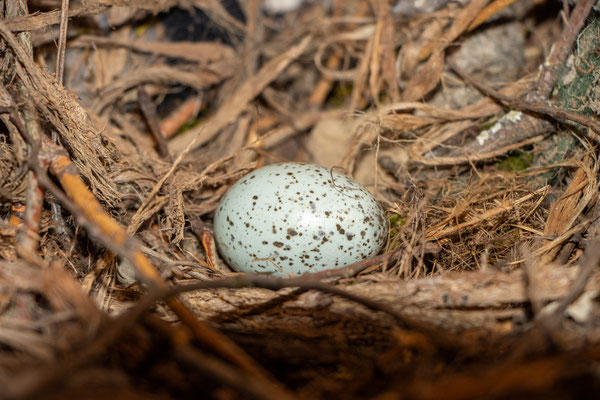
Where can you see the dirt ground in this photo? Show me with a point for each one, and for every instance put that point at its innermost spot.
(474, 123)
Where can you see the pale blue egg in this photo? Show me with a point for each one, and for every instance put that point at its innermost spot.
(291, 218)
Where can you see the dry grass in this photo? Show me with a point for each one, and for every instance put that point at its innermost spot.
(487, 286)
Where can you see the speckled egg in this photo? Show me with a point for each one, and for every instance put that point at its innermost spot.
(291, 218)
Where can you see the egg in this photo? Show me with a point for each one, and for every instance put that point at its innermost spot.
(290, 218)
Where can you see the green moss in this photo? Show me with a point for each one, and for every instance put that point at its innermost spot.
(396, 221)
(517, 161)
(578, 82)
(578, 89)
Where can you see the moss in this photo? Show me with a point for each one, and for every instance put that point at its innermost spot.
(396, 221)
(517, 161)
(579, 79)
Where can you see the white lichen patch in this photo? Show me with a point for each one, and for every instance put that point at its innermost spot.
(511, 117)
(487, 133)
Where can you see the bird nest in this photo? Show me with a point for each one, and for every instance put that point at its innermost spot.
(474, 124)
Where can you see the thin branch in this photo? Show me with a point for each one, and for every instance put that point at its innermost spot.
(556, 113)
(91, 215)
(562, 47)
(149, 112)
(587, 266)
(62, 41)
(226, 374)
(508, 132)
(270, 283)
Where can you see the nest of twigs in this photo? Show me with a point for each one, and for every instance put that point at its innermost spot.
(474, 123)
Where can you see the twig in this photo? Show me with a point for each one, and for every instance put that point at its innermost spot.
(181, 115)
(323, 87)
(493, 8)
(507, 379)
(92, 216)
(168, 261)
(28, 236)
(26, 216)
(228, 375)
(507, 132)
(505, 206)
(356, 268)
(68, 118)
(587, 265)
(41, 21)
(215, 368)
(305, 282)
(529, 282)
(562, 47)
(149, 111)
(237, 103)
(559, 114)
(112, 234)
(210, 249)
(430, 74)
(62, 41)
(39, 381)
(139, 217)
